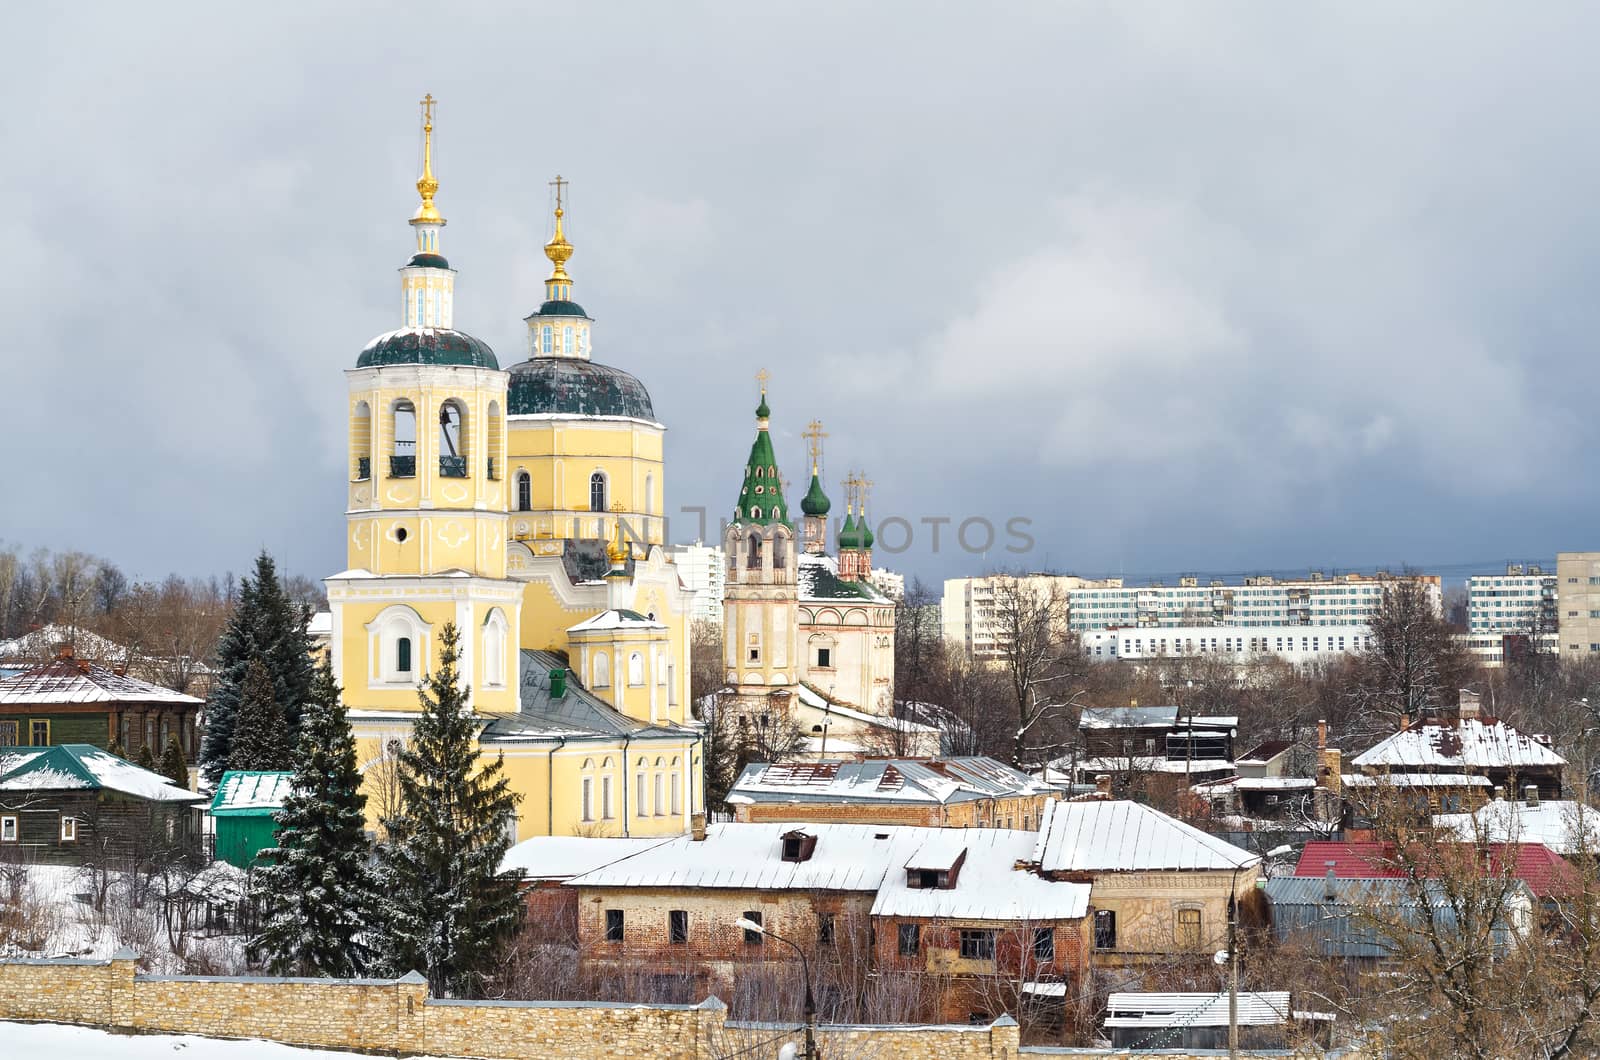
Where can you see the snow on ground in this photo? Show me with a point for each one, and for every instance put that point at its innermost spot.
(87, 1043)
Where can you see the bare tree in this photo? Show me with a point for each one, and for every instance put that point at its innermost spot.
(1040, 661)
(1413, 665)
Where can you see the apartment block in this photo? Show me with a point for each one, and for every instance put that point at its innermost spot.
(1578, 603)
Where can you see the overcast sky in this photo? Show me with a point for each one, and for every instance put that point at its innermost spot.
(1189, 287)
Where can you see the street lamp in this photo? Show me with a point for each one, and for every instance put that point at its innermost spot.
(746, 924)
(1233, 945)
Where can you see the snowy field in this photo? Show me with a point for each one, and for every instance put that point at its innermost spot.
(29, 1040)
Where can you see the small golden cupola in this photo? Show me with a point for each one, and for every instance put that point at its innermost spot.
(559, 327)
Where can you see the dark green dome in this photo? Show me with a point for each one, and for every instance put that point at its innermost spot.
(427, 261)
(558, 307)
(864, 532)
(815, 502)
(570, 386)
(848, 537)
(427, 346)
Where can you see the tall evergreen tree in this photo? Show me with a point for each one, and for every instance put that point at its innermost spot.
(260, 738)
(173, 765)
(447, 913)
(268, 627)
(146, 759)
(321, 896)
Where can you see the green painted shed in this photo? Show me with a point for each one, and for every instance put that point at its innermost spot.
(242, 812)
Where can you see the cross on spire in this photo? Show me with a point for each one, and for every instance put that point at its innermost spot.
(813, 434)
(427, 112)
(559, 184)
(762, 377)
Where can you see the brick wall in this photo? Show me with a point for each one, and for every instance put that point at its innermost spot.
(396, 1016)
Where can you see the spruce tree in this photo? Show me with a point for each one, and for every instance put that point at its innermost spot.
(260, 738)
(146, 759)
(173, 765)
(447, 913)
(117, 749)
(320, 892)
(267, 627)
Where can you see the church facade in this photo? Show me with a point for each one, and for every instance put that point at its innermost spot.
(524, 505)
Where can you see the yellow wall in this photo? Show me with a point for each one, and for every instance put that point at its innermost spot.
(561, 455)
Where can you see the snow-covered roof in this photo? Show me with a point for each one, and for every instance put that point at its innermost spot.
(71, 680)
(819, 582)
(616, 618)
(1258, 784)
(1263, 1008)
(253, 792)
(1146, 764)
(989, 886)
(847, 857)
(321, 625)
(1150, 718)
(1122, 836)
(561, 857)
(1416, 780)
(936, 781)
(1554, 823)
(47, 640)
(813, 698)
(1467, 743)
(83, 767)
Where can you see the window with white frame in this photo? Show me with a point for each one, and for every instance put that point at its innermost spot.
(635, 669)
(495, 631)
(8, 829)
(69, 829)
(602, 670)
(398, 645)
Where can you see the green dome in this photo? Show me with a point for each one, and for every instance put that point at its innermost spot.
(569, 386)
(864, 531)
(815, 502)
(427, 346)
(558, 307)
(762, 412)
(848, 536)
(427, 261)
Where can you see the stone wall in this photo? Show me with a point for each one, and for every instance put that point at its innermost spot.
(396, 1017)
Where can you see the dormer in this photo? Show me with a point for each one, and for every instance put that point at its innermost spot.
(925, 874)
(798, 845)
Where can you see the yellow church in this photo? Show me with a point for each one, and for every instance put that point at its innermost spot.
(525, 505)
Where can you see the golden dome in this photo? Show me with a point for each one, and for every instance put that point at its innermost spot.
(427, 186)
(558, 250)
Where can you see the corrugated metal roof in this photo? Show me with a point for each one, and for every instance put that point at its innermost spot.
(1255, 1008)
(72, 680)
(561, 857)
(1534, 864)
(988, 887)
(1334, 914)
(1121, 836)
(83, 767)
(1466, 743)
(1554, 822)
(247, 792)
(933, 781)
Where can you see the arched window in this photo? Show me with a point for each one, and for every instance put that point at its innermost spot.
(524, 492)
(753, 556)
(492, 446)
(361, 441)
(397, 646)
(452, 440)
(495, 631)
(649, 494)
(566, 340)
(545, 333)
(661, 801)
(779, 552)
(402, 655)
(597, 492)
(403, 458)
(602, 670)
(635, 669)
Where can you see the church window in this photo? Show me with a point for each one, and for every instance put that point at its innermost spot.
(524, 492)
(824, 658)
(492, 445)
(755, 647)
(403, 460)
(753, 557)
(677, 793)
(495, 631)
(605, 798)
(649, 493)
(635, 669)
(772, 472)
(402, 655)
(583, 341)
(780, 555)
(755, 513)
(566, 340)
(361, 440)
(452, 440)
(588, 798)
(597, 492)
(638, 795)
(602, 666)
(661, 802)
(760, 472)
(547, 335)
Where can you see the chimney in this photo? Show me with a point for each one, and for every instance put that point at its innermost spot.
(558, 683)
(1499, 793)
(1405, 721)
(1329, 891)
(697, 827)
(1322, 734)
(64, 651)
(1102, 786)
(1471, 705)
(1531, 796)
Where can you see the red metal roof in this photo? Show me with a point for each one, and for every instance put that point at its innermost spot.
(1543, 870)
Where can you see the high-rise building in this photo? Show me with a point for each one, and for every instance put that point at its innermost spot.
(1513, 611)
(1578, 604)
(703, 569)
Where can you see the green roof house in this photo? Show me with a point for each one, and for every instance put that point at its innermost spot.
(242, 810)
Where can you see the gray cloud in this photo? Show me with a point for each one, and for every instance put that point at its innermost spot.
(1210, 288)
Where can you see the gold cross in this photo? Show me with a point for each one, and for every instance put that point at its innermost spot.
(558, 184)
(427, 112)
(813, 434)
(762, 377)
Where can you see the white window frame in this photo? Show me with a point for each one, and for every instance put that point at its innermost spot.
(9, 829)
(69, 829)
(384, 633)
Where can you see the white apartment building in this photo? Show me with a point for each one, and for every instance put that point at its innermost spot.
(967, 610)
(1318, 600)
(1522, 602)
(1296, 644)
(703, 569)
(889, 583)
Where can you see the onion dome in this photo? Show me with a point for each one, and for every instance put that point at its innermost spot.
(568, 386)
(815, 502)
(427, 346)
(864, 531)
(849, 536)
